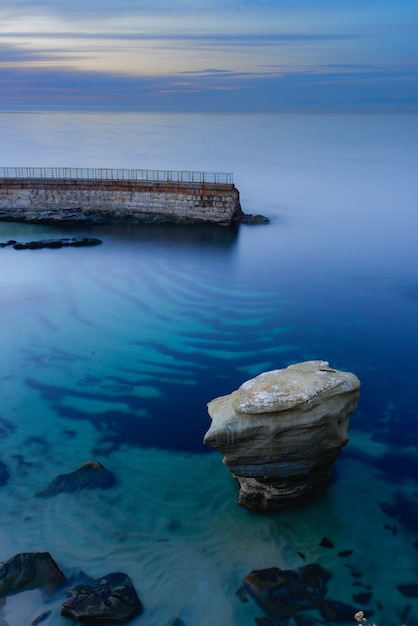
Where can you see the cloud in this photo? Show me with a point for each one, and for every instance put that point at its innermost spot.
(261, 55)
(43, 89)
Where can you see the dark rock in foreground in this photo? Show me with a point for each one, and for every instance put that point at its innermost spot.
(280, 593)
(91, 475)
(110, 599)
(30, 570)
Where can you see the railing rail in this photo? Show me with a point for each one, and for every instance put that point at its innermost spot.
(87, 173)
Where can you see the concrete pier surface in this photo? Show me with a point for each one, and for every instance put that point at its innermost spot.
(48, 195)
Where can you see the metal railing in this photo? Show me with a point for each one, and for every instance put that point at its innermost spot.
(87, 173)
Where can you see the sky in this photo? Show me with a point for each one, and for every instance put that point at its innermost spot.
(222, 56)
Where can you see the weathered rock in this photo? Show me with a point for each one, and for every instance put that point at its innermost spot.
(30, 570)
(280, 593)
(91, 475)
(281, 431)
(110, 599)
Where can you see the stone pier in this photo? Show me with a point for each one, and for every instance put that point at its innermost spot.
(49, 199)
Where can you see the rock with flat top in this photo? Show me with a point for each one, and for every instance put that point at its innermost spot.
(281, 432)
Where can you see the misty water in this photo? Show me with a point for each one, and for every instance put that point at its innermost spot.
(112, 353)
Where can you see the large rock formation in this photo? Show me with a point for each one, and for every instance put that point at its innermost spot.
(281, 431)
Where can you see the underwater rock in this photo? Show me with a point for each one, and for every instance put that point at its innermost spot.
(280, 593)
(281, 431)
(404, 509)
(307, 620)
(4, 474)
(110, 599)
(362, 598)
(267, 621)
(248, 218)
(336, 611)
(242, 594)
(30, 570)
(52, 243)
(91, 475)
(409, 591)
(40, 618)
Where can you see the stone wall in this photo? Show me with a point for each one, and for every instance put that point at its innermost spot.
(48, 200)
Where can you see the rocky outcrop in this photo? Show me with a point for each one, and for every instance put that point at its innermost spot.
(110, 599)
(30, 570)
(91, 475)
(281, 431)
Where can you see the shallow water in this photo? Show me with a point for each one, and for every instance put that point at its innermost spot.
(113, 352)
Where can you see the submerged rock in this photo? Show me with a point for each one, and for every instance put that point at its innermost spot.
(281, 431)
(280, 593)
(91, 475)
(248, 218)
(362, 598)
(267, 621)
(53, 243)
(4, 474)
(43, 616)
(336, 611)
(409, 591)
(30, 570)
(110, 599)
(307, 620)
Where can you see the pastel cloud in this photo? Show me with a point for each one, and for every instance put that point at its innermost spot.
(262, 55)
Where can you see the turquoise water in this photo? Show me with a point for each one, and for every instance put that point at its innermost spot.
(113, 352)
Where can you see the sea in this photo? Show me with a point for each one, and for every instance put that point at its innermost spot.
(111, 353)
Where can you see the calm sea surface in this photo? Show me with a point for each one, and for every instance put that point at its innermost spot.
(112, 353)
